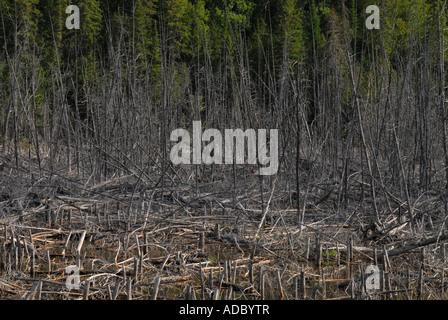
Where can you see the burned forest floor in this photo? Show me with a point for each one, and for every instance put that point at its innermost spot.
(228, 235)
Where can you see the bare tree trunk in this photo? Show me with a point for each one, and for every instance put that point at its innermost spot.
(363, 140)
(442, 97)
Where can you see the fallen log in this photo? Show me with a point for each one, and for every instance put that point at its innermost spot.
(418, 244)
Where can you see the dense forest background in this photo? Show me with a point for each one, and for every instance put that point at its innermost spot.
(354, 107)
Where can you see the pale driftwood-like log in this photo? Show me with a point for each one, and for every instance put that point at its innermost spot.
(81, 241)
(215, 295)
